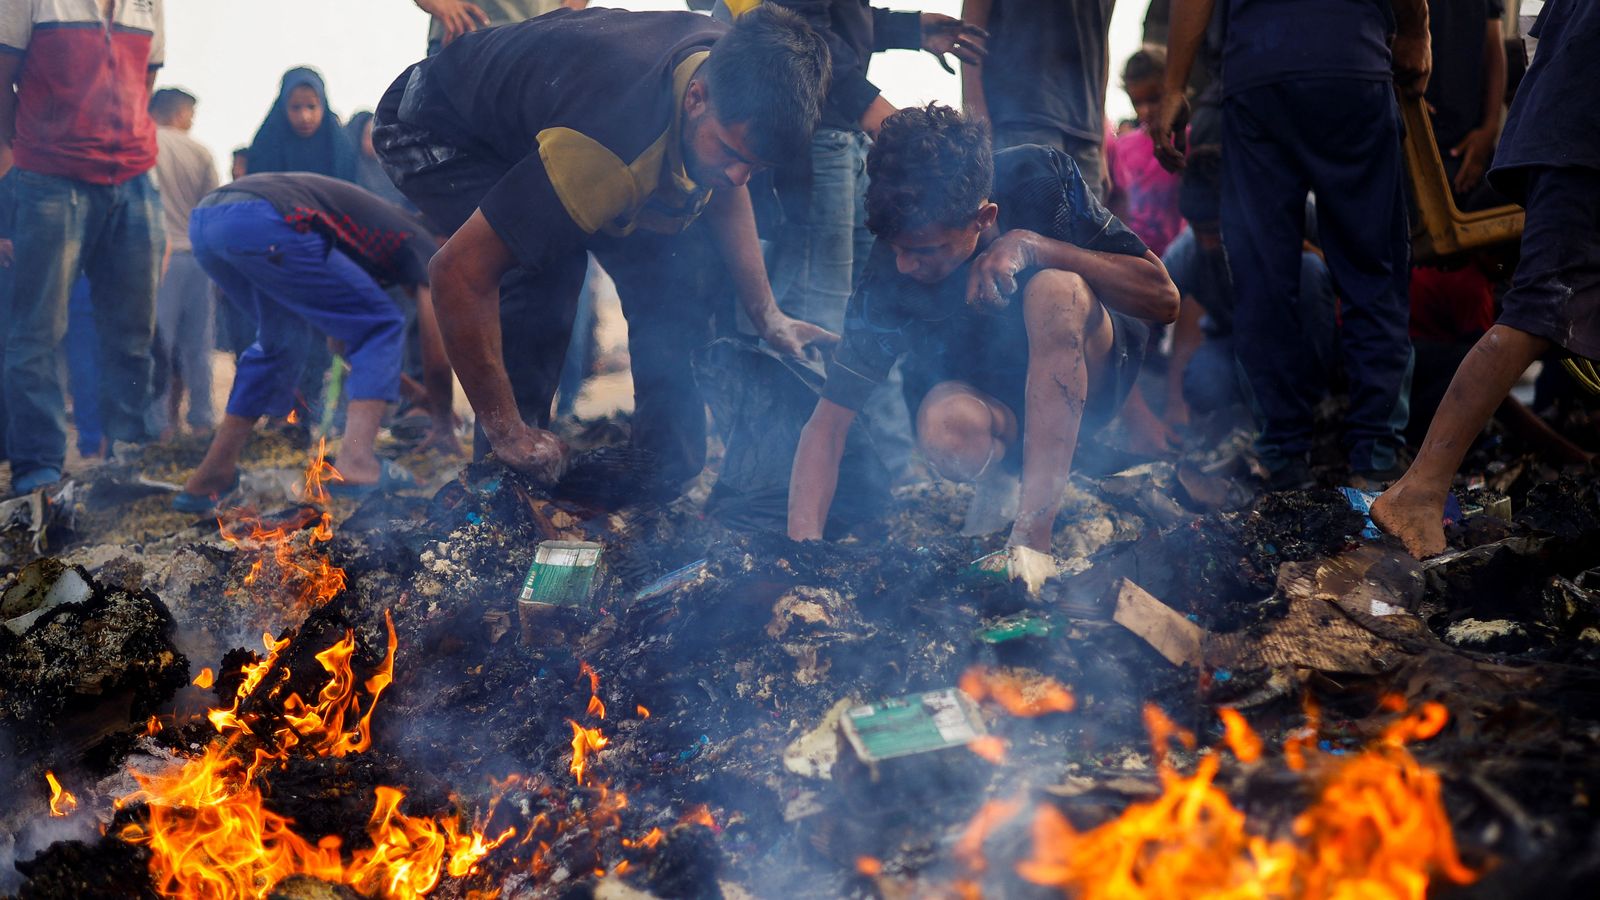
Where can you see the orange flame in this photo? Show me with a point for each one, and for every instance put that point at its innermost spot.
(152, 726)
(700, 815)
(319, 473)
(1029, 697)
(1377, 829)
(597, 708)
(1242, 742)
(651, 838)
(869, 866)
(989, 747)
(993, 813)
(205, 679)
(62, 802)
(642, 711)
(585, 741)
(293, 417)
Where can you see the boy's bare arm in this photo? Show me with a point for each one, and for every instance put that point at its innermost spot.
(1136, 285)
(815, 475)
(1186, 27)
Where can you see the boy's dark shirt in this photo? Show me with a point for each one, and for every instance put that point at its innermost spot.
(854, 31)
(1269, 41)
(383, 239)
(1047, 65)
(1555, 117)
(583, 108)
(1455, 89)
(890, 315)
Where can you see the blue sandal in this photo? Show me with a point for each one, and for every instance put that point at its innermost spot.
(198, 504)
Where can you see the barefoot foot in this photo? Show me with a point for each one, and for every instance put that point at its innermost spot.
(1415, 518)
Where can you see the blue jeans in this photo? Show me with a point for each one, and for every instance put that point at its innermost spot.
(1214, 380)
(289, 282)
(114, 234)
(83, 369)
(1339, 137)
(185, 333)
(820, 253)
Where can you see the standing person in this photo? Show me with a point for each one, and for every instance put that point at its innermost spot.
(296, 250)
(1143, 194)
(1044, 79)
(821, 248)
(1017, 300)
(300, 134)
(1548, 160)
(85, 201)
(1310, 106)
(609, 131)
(185, 324)
(1466, 92)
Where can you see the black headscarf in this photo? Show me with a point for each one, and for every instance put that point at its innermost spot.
(277, 148)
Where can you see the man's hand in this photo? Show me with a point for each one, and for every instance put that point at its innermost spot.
(791, 336)
(1169, 131)
(457, 16)
(943, 34)
(1413, 62)
(531, 450)
(1474, 152)
(994, 272)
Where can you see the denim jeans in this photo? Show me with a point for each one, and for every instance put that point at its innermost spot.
(82, 350)
(185, 334)
(819, 254)
(114, 234)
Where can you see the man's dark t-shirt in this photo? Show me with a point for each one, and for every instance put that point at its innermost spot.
(1555, 116)
(1455, 89)
(890, 315)
(1269, 41)
(383, 239)
(853, 31)
(580, 108)
(1047, 65)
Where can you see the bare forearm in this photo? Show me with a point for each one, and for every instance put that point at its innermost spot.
(1410, 16)
(1136, 285)
(733, 222)
(974, 12)
(814, 478)
(1186, 28)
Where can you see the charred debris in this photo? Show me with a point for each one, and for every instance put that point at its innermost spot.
(704, 711)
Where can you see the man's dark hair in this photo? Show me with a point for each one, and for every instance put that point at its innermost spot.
(1200, 191)
(930, 166)
(1151, 62)
(165, 103)
(770, 72)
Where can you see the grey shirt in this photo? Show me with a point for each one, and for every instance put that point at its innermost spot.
(185, 173)
(500, 12)
(1047, 65)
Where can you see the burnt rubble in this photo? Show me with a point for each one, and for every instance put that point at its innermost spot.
(725, 683)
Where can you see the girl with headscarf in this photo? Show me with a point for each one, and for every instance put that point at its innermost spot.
(301, 134)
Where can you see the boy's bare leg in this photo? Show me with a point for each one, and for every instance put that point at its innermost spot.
(217, 470)
(1069, 338)
(964, 432)
(1413, 508)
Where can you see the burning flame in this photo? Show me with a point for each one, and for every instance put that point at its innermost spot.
(585, 741)
(205, 679)
(699, 815)
(319, 473)
(869, 866)
(1028, 697)
(1377, 829)
(62, 802)
(642, 711)
(989, 747)
(597, 708)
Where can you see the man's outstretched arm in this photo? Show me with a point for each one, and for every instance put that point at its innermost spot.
(815, 475)
(733, 222)
(465, 276)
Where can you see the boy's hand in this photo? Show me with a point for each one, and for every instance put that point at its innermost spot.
(533, 451)
(1169, 130)
(994, 273)
(791, 336)
(943, 34)
(457, 16)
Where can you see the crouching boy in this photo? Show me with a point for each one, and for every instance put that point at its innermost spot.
(1018, 301)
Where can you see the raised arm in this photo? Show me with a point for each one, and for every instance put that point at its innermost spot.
(815, 475)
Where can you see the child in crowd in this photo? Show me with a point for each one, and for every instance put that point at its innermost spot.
(1143, 194)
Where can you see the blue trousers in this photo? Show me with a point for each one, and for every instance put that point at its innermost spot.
(1339, 137)
(83, 369)
(286, 279)
(112, 233)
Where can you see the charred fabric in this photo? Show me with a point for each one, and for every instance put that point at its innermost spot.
(1213, 697)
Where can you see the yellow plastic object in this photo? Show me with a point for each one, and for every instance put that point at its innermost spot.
(1442, 229)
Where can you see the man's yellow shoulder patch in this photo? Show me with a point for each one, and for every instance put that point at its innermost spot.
(595, 186)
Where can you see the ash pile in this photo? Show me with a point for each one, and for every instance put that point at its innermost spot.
(502, 690)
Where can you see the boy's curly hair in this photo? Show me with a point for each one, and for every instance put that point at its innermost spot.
(930, 165)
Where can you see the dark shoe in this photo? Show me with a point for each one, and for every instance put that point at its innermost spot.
(1295, 475)
(200, 504)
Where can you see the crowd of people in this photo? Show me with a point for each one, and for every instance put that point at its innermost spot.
(984, 287)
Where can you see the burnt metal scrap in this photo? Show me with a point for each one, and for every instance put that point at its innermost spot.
(807, 697)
